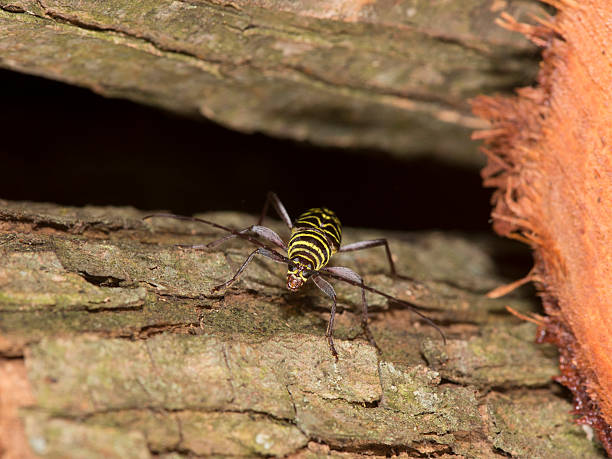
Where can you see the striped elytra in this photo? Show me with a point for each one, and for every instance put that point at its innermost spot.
(315, 237)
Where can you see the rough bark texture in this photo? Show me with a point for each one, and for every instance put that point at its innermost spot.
(114, 346)
(550, 156)
(391, 75)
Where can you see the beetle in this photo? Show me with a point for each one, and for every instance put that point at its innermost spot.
(316, 235)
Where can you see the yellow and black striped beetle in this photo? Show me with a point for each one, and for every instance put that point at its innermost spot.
(316, 235)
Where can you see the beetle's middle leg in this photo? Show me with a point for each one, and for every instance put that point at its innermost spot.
(271, 254)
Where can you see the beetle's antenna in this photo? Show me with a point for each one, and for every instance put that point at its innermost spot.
(208, 222)
(412, 307)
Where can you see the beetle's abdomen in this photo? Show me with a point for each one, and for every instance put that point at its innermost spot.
(315, 237)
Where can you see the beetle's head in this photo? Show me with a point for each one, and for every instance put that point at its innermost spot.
(298, 272)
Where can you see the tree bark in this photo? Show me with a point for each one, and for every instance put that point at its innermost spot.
(113, 345)
(389, 75)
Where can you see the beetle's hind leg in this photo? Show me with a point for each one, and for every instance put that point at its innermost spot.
(376, 243)
(369, 244)
(278, 206)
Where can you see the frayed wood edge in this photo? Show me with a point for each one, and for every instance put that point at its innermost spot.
(561, 4)
(537, 319)
(549, 329)
(503, 290)
(539, 34)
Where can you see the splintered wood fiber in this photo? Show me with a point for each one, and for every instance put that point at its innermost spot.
(550, 158)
